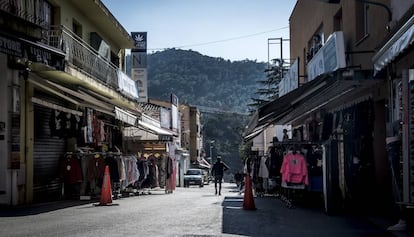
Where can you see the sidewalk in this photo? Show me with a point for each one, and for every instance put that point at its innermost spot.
(274, 218)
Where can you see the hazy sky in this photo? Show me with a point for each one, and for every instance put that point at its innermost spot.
(231, 29)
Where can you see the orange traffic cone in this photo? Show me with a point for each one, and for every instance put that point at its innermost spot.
(106, 194)
(248, 201)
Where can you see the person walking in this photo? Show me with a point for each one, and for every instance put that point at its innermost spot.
(218, 171)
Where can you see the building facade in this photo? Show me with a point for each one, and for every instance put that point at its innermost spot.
(393, 61)
(339, 106)
(60, 92)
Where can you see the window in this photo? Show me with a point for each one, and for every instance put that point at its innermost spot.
(77, 28)
(362, 16)
(338, 21)
(315, 43)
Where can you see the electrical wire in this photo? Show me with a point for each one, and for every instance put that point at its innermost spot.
(220, 41)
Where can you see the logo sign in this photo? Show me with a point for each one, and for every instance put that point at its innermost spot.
(140, 39)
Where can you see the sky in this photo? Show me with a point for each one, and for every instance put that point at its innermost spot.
(231, 29)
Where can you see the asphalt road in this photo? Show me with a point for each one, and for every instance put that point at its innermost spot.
(187, 212)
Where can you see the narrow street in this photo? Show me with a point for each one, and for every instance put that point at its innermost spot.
(190, 211)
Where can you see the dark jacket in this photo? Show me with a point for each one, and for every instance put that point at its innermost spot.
(219, 168)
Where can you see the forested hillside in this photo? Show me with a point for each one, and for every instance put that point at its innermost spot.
(202, 80)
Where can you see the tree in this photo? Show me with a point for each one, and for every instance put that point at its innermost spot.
(270, 87)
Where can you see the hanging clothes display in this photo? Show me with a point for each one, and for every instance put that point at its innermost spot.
(294, 169)
(294, 173)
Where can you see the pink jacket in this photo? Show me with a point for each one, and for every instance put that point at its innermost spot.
(294, 169)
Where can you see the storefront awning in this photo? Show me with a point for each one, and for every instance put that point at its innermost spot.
(282, 106)
(154, 129)
(255, 132)
(328, 91)
(204, 164)
(82, 98)
(125, 116)
(55, 106)
(400, 41)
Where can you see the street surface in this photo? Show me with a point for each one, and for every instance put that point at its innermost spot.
(187, 212)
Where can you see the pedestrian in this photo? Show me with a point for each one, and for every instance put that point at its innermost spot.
(218, 171)
(285, 135)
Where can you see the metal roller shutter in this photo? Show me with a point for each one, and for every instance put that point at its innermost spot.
(47, 152)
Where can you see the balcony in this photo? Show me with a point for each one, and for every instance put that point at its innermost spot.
(81, 56)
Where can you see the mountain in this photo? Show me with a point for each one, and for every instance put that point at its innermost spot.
(202, 80)
(217, 83)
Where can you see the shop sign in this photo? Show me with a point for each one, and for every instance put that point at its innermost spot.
(139, 75)
(127, 85)
(290, 81)
(165, 138)
(32, 51)
(11, 47)
(329, 58)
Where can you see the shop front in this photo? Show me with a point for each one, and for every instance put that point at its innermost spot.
(336, 123)
(394, 61)
(17, 55)
(153, 143)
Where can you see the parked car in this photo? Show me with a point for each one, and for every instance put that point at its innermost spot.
(194, 177)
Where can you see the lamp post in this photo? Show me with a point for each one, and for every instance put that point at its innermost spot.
(211, 150)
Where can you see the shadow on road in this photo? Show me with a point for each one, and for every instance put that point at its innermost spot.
(34, 209)
(273, 218)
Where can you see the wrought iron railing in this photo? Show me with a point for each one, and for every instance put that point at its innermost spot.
(29, 10)
(81, 55)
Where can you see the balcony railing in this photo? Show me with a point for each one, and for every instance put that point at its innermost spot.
(81, 55)
(29, 10)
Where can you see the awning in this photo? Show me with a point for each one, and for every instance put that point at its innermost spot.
(341, 94)
(124, 116)
(255, 132)
(282, 106)
(400, 41)
(55, 106)
(154, 129)
(328, 91)
(203, 163)
(85, 99)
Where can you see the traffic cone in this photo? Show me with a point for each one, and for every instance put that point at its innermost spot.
(106, 194)
(248, 201)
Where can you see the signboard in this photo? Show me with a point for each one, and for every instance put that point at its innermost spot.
(127, 85)
(165, 119)
(140, 39)
(11, 47)
(138, 60)
(139, 65)
(139, 75)
(32, 51)
(329, 58)
(290, 81)
(174, 113)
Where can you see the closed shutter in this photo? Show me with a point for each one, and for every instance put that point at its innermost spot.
(47, 152)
